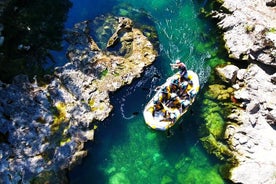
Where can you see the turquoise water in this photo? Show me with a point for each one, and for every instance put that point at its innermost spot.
(125, 150)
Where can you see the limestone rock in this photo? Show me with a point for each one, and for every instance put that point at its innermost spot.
(240, 74)
(253, 107)
(252, 139)
(249, 30)
(249, 34)
(228, 73)
(273, 79)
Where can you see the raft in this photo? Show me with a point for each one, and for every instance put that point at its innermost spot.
(171, 101)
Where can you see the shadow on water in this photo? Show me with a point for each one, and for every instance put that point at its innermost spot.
(31, 30)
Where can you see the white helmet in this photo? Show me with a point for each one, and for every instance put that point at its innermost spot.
(177, 61)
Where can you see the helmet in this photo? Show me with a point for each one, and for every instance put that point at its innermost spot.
(172, 115)
(173, 95)
(184, 84)
(177, 61)
(175, 81)
(185, 103)
(164, 89)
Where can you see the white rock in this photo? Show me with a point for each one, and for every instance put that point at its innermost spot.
(228, 73)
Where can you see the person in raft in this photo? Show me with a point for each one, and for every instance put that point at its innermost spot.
(181, 67)
(158, 106)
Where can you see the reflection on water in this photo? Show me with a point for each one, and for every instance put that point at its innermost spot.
(125, 150)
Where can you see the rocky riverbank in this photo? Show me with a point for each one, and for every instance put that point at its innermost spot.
(249, 32)
(43, 126)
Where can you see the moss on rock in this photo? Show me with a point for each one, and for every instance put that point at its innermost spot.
(59, 116)
(220, 150)
(217, 105)
(219, 92)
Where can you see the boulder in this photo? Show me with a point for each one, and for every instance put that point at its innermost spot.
(228, 73)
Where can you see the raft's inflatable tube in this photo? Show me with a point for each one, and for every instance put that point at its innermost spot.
(171, 101)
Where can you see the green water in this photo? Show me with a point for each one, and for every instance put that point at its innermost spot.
(125, 150)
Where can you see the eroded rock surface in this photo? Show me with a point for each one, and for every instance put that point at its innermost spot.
(249, 29)
(249, 33)
(43, 127)
(250, 134)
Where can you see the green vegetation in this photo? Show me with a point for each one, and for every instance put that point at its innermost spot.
(272, 30)
(216, 106)
(103, 73)
(249, 28)
(59, 116)
(64, 140)
(60, 125)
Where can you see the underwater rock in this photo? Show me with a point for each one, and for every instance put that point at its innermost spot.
(166, 180)
(51, 177)
(217, 98)
(119, 178)
(2, 38)
(44, 127)
(219, 92)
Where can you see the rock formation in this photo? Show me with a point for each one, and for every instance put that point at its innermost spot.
(43, 127)
(249, 132)
(249, 30)
(249, 34)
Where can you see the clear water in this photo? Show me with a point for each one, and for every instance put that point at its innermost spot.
(125, 150)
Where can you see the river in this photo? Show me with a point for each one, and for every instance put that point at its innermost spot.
(125, 150)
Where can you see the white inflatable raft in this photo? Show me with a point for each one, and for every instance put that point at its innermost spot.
(171, 101)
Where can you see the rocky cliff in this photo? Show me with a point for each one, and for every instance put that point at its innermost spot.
(249, 32)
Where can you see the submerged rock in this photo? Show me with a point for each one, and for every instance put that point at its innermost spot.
(44, 127)
(214, 112)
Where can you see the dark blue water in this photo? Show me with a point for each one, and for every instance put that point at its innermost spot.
(125, 150)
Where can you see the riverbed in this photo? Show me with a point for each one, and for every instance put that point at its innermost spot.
(125, 150)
